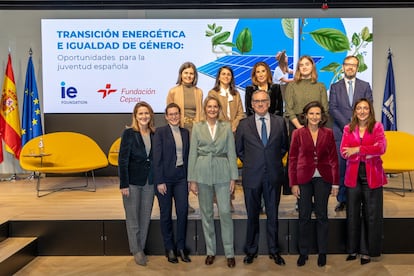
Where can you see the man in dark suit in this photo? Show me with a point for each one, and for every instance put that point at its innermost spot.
(342, 96)
(170, 159)
(261, 142)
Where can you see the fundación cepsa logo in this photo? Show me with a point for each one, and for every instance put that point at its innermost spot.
(107, 90)
(68, 95)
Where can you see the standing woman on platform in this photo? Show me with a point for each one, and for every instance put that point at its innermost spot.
(363, 143)
(212, 169)
(282, 71)
(313, 174)
(262, 80)
(135, 175)
(225, 91)
(187, 95)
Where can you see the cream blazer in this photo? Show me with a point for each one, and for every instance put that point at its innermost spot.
(176, 95)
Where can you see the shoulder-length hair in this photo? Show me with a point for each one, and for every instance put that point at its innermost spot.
(324, 117)
(314, 74)
(269, 72)
(184, 66)
(281, 59)
(134, 124)
(371, 116)
(206, 100)
(232, 85)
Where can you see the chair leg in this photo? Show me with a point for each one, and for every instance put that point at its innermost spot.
(411, 183)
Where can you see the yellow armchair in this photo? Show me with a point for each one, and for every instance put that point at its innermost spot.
(114, 152)
(63, 153)
(399, 156)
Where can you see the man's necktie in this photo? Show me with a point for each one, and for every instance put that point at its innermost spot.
(350, 92)
(264, 131)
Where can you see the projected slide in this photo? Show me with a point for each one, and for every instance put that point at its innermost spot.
(108, 65)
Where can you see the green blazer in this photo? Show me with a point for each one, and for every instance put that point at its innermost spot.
(212, 161)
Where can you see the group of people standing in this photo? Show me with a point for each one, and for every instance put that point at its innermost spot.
(197, 151)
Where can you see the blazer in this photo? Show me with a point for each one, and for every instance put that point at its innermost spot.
(212, 161)
(165, 155)
(305, 157)
(339, 107)
(259, 159)
(176, 95)
(276, 100)
(236, 108)
(134, 165)
(372, 146)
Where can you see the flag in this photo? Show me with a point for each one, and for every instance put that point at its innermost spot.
(31, 119)
(389, 111)
(10, 119)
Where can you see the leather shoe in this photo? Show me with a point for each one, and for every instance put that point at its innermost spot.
(210, 259)
(249, 258)
(340, 207)
(277, 258)
(302, 260)
(351, 257)
(321, 260)
(231, 262)
(365, 260)
(184, 256)
(171, 257)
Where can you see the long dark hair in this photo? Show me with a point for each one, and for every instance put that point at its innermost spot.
(371, 117)
(324, 117)
(232, 85)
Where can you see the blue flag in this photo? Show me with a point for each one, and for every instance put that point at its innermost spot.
(32, 117)
(389, 111)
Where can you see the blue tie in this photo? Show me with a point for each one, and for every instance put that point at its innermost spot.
(350, 92)
(264, 131)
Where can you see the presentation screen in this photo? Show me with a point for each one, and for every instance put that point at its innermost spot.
(108, 65)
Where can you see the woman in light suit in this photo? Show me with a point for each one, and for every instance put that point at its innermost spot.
(212, 169)
(362, 145)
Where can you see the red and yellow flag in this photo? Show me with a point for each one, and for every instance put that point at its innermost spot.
(10, 119)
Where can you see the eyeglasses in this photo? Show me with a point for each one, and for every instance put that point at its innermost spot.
(173, 114)
(350, 65)
(260, 101)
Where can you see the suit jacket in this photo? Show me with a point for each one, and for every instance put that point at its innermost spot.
(134, 165)
(257, 158)
(305, 157)
(339, 107)
(165, 155)
(236, 108)
(372, 146)
(276, 100)
(176, 95)
(212, 161)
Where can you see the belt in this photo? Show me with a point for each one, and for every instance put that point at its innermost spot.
(180, 166)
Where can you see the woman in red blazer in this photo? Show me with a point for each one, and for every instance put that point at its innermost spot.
(363, 143)
(313, 173)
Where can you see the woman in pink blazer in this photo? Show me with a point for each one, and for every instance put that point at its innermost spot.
(363, 143)
(313, 173)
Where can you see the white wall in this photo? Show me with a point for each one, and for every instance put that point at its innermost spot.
(20, 30)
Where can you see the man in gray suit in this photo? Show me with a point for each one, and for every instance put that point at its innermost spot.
(261, 142)
(342, 96)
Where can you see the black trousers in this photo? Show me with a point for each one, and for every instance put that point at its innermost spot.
(364, 214)
(319, 190)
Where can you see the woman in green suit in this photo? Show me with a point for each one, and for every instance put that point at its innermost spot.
(212, 169)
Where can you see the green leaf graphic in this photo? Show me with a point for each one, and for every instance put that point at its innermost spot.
(218, 29)
(208, 33)
(244, 42)
(220, 38)
(366, 35)
(288, 27)
(331, 39)
(332, 67)
(355, 39)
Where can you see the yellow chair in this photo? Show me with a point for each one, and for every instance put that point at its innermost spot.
(399, 156)
(63, 153)
(114, 152)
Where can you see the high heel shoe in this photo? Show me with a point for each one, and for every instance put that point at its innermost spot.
(302, 260)
(351, 257)
(321, 260)
(365, 260)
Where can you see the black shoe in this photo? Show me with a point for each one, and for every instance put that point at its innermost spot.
(231, 262)
(365, 260)
(184, 256)
(172, 258)
(340, 207)
(351, 257)
(210, 259)
(277, 258)
(302, 260)
(321, 260)
(249, 258)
